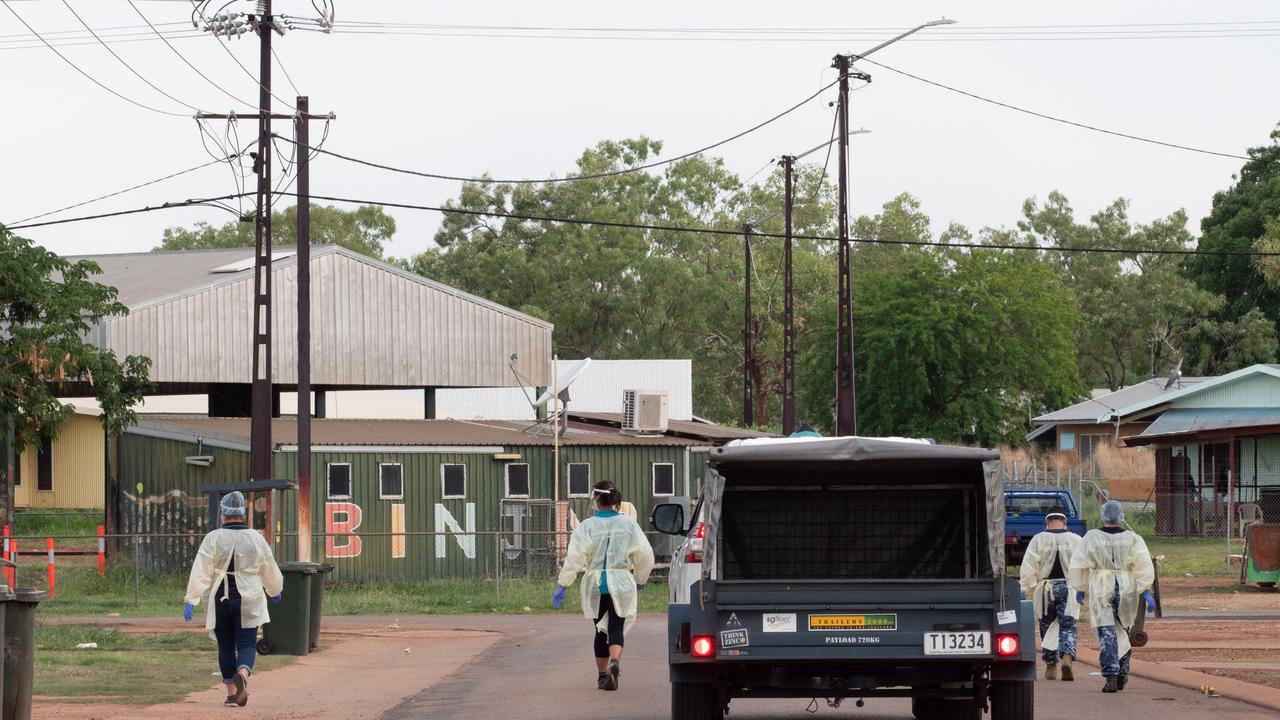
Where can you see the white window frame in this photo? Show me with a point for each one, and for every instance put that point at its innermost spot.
(444, 496)
(506, 480)
(569, 479)
(653, 477)
(390, 497)
(328, 481)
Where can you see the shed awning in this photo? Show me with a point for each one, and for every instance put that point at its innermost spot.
(1193, 423)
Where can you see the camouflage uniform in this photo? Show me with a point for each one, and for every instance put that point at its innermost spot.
(1056, 595)
(1112, 666)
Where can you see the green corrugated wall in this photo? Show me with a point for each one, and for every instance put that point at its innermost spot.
(172, 502)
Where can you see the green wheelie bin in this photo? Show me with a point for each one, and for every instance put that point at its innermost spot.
(20, 652)
(317, 603)
(289, 632)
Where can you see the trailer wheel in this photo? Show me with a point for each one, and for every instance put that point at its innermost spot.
(266, 647)
(1013, 700)
(924, 708)
(694, 701)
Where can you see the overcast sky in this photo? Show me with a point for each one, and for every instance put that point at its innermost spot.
(521, 107)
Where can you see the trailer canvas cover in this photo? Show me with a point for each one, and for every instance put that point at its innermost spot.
(855, 460)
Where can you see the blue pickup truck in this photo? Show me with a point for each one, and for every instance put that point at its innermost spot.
(1024, 512)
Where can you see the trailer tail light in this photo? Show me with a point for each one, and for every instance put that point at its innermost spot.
(694, 554)
(1006, 645)
(703, 646)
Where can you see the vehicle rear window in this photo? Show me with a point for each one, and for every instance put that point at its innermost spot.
(851, 532)
(1031, 504)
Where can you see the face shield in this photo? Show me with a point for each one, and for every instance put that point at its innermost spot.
(233, 505)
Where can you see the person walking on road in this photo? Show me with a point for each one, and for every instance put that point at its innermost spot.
(234, 572)
(615, 558)
(1044, 579)
(1113, 566)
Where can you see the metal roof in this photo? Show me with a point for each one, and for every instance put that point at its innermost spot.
(1207, 385)
(373, 324)
(1173, 423)
(692, 429)
(394, 433)
(1089, 410)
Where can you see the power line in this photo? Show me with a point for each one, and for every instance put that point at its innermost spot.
(1064, 121)
(694, 230)
(135, 211)
(78, 69)
(118, 192)
(570, 178)
(280, 63)
(183, 57)
(127, 66)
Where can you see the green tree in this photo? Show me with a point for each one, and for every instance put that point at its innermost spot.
(950, 344)
(48, 306)
(1140, 314)
(365, 230)
(632, 293)
(1243, 216)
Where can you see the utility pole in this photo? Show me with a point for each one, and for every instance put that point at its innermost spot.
(301, 129)
(748, 336)
(846, 417)
(261, 389)
(788, 306)
(846, 377)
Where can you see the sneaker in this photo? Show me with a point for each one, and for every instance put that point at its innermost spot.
(230, 701)
(602, 679)
(1121, 681)
(1067, 674)
(1051, 672)
(611, 682)
(242, 689)
(1111, 686)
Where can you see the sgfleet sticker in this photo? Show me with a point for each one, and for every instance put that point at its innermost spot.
(853, 623)
(778, 622)
(734, 639)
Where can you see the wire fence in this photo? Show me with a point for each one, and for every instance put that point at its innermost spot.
(1197, 518)
(124, 565)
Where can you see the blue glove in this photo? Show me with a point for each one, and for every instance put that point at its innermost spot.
(557, 600)
(640, 586)
(188, 612)
(1079, 597)
(1151, 601)
(277, 598)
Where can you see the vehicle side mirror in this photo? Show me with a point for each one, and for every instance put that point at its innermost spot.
(668, 518)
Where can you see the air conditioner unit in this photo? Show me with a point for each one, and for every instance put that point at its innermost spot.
(644, 412)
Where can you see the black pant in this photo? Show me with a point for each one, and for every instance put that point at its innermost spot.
(616, 623)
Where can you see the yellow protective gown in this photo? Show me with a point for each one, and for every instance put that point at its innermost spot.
(616, 548)
(1033, 578)
(256, 573)
(1098, 563)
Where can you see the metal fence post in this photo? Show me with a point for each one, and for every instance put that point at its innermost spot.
(497, 567)
(137, 561)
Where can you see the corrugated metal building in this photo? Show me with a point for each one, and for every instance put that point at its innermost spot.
(66, 472)
(399, 499)
(373, 325)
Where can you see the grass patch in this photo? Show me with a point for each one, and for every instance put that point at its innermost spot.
(43, 523)
(82, 593)
(186, 661)
(1199, 557)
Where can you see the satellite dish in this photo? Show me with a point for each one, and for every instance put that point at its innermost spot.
(1174, 375)
(567, 378)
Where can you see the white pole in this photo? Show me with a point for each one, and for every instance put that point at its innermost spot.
(555, 428)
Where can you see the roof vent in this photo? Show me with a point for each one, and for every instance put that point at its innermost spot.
(644, 412)
(246, 264)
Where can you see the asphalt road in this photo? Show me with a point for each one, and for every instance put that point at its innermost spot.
(543, 669)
